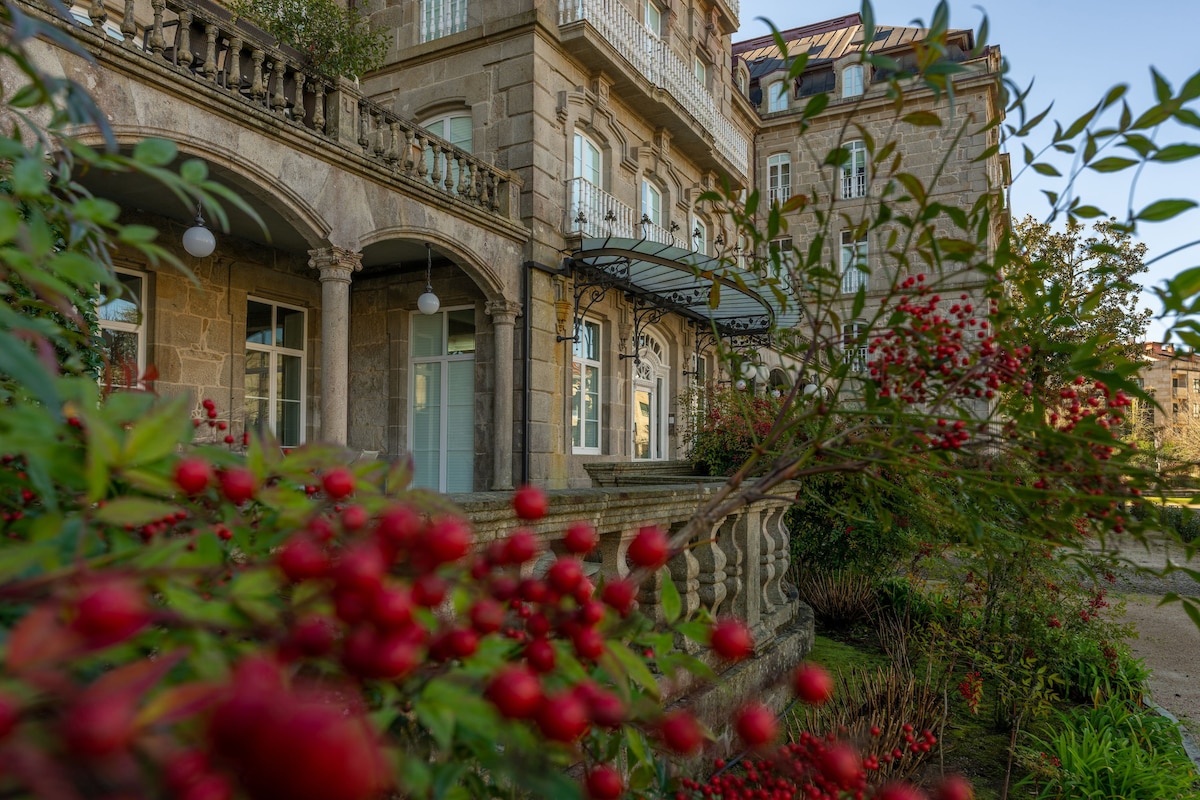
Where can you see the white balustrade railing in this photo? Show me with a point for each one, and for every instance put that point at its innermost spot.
(442, 17)
(595, 213)
(659, 64)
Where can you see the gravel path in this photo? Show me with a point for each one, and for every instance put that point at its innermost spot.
(1168, 640)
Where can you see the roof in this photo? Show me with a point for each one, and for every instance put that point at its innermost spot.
(828, 41)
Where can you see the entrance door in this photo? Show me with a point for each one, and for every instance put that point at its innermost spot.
(441, 430)
(650, 392)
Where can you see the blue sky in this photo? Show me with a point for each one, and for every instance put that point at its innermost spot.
(1073, 50)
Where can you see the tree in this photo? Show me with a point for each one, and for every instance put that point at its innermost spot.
(1070, 289)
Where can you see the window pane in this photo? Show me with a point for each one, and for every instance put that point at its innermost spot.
(291, 378)
(590, 341)
(126, 307)
(427, 335)
(258, 415)
(426, 434)
(461, 335)
(290, 330)
(641, 424)
(576, 405)
(287, 415)
(591, 407)
(460, 426)
(120, 350)
(257, 366)
(258, 323)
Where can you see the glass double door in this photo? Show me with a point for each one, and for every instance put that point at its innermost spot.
(442, 400)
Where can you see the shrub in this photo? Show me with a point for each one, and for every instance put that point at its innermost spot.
(336, 39)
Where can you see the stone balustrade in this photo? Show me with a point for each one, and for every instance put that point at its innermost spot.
(201, 41)
(736, 568)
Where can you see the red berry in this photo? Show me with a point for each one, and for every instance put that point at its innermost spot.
(186, 769)
(842, 765)
(10, 712)
(361, 568)
(605, 708)
(393, 607)
(302, 559)
(954, 787)
(530, 503)
(731, 639)
(812, 684)
(110, 611)
(395, 656)
(649, 549)
(313, 636)
(354, 518)
(900, 791)
(238, 485)
(447, 539)
(400, 525)
(681, 733)
(487, 616)
(520, 547)
(193, 475)
(100, 726)
(604, 783)
(580, 538)
(562, 717)
(352, 606)
(588, 643)
(540, 655)
(209, 787)
(515, 691)
(462, 642)
(756, 725)
(338, 483)
(619, 595)
(591, 612)
(565, 574)
(429, 591)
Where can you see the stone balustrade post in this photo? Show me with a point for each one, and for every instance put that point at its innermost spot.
(504, 314)
(713, 579)
(342, 114)
(336, 266)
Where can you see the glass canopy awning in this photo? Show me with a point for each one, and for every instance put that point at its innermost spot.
(665, 277)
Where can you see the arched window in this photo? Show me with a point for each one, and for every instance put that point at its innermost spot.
(651, 391)
(455, 128)
(779, 178)
(588, 200)
(777, 99)
(852, 81)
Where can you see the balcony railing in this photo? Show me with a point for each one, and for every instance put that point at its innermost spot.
(658, 63)
(442, 17)
(201, 42)
(595, 213)
(779, 194)
(854, 184)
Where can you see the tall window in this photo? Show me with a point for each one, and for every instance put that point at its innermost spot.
(701, 70)
(653, 18)
(123, 332)
(699, 236)
(455, 129)
(442, 17)
(441, 431)
(777, 99)
(585, 390)
(854, 263)
(782, 250)
(779, 178)
(854, 171)
(852, 81)
(854, 345)
(652, 210)
(275, 385)
(586, 196)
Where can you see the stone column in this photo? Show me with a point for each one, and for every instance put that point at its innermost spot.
(336, 266)
(504, 314)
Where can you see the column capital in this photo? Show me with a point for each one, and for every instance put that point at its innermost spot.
(335, 264)
(503, 312)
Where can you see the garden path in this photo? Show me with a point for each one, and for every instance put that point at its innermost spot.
(1168, 640)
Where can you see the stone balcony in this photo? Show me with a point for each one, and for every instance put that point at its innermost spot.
(593, 212)
(197, 45)
(614, 39)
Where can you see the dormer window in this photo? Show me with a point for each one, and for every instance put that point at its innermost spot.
(852, 81)
(777, 99)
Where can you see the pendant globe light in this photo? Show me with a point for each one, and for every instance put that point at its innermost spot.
(198, 240)
(428, 303)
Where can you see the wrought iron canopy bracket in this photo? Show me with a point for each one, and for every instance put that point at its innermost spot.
(644, 313)
(705, 339)
(590, 287)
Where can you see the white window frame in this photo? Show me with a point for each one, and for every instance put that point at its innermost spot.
(783, 245)
(580, 358)
(442, 17)
(853, 263)
(699, 235)
(137, 328)
(275, 351)
(652, 18)
(777, 96)
(855, 349)
(653, 360)
(854, 171)
(649, 192)
(779, 178)
(700, 68)
(852, 81)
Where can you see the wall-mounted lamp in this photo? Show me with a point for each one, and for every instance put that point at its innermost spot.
(428, 303)
(198, 240)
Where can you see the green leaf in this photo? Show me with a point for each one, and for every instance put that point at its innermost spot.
(1162, 210)
(158, 435)
(816, 105)
(634, 667)
(1112, 164)
(1043, 168)
(672, 604)
(134, 511)
(155, 152)
(1162, 89)
(926, 119)
(1177, 152)
(1087, 212)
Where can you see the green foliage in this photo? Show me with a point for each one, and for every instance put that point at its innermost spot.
(1115, 750)
(728, 425)
(336, 38)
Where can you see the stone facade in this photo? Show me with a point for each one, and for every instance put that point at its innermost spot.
(503, 139)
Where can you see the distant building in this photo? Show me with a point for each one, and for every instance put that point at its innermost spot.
(1171, 376)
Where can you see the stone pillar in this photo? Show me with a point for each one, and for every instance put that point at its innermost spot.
(504, 314)
(336, 266)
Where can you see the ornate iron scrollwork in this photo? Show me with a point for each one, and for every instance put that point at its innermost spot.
(644, 313)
